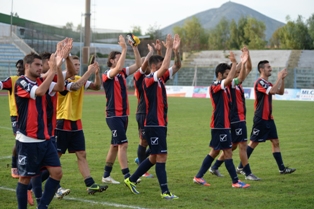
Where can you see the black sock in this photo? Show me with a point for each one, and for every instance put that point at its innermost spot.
(249, 151)
(21, 194)
(208, 160)
(278, 158)
(231, 169)
(141, 153)
(162, 177)
(142, 168)
(217, 164)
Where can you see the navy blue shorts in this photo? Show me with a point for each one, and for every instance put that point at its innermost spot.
(118, 127)
(263, 130)
(33, 156)
(14, 124)
(156, 139)
(140, 118)
(221, 139)
(73, 141)
(238, 132)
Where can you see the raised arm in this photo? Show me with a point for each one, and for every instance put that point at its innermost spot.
(96, 84)
(244, 58)
(117, 69)
(78, 84)
(279, 86)
(166, 62)
(149, 54)
(232, 71)
(158, 47)
(248, 63)
(138, 61)
(177, 58)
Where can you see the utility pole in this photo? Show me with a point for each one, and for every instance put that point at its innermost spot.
(11, 18)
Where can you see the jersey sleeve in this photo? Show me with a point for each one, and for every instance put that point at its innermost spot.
(263, 87)
(25, 89)
(217, 86)
(6, 84)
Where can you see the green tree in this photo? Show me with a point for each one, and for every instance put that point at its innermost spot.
(219, 36)
(136, 30)
(68, 26)
(310, 25)
(192, 35)
(254, 33)
(154, 32)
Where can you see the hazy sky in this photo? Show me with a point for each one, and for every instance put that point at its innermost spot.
(123, 14)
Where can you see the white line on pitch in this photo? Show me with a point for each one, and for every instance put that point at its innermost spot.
(5, 128)
(5, 157)
(89, 201)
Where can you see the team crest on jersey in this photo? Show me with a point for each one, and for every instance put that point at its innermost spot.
(23, 83)
(114, 133)
(263, 84)
(256, 132)
(223, 137)
(21, 160)
(154, 140)
(238, 131)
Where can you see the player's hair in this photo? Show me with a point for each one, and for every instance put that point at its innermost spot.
(19, 62)
(112, 55)
(45, 55)
(155, 59)
(261, 65)
(221, 68)
(75, 57)
(29, 58)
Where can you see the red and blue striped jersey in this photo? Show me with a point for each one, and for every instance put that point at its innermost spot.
(238, 109)
(221, 103)
(138, 84)
(263, 100)
(116, 93)
(31, 109)
(156, 99)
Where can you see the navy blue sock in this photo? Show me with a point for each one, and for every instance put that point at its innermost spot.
(148, 152)
(278, 158)
(13, 164)
(142, 168)
(208, 160)
(108, 170)
(231, 169)
(162, 177)
(249, 151)
(141, 153)
(37, 188)
(89, 181)
(217, 164)
(126, 172)
(49, 191)
(30, 186)
(21, 194)
(44, 175)
(247, 170)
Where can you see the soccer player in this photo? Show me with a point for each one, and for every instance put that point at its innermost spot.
(155, 124)
(8, 84)
(138, 78)
(69, 130)
(34, 147)
(117, 107)
(237, 118)
(220, 124)
(264, 127)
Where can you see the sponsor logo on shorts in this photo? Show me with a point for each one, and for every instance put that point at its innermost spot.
(256, 132)
(238, 131)
(223, 137)
(114, 133)
(22, 160)
(154, 140)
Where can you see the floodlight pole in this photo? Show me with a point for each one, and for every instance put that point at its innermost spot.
(81, 37)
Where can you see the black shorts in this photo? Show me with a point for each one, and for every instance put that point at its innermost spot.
(118, 127)
(33, 156)
(238, 132)
(156, 139)
(14, 124)
(221, 139)
(73, 141)
(140, 118)
(263, 130)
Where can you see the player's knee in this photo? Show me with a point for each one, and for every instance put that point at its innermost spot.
(275, 143)
(56, 174)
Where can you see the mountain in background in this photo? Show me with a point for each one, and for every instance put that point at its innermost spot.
(230, 10)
